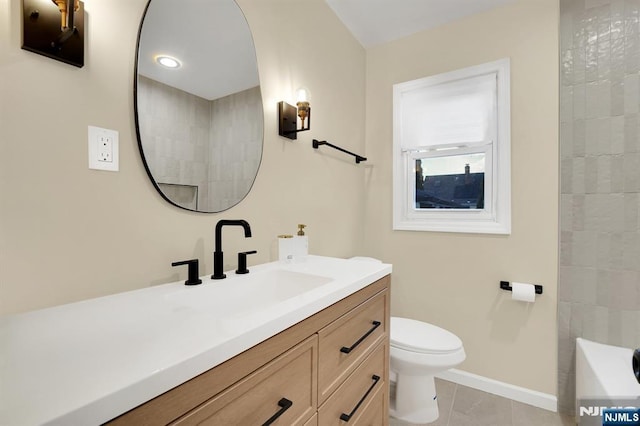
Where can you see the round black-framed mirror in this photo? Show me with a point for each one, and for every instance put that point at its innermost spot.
(199, 123)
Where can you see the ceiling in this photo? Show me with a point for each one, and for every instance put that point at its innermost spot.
(374, 22)
(200, 32)
(212, 40)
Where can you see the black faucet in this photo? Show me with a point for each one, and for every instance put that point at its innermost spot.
(218, 256)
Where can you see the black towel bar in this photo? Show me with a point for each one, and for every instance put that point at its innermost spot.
(317, 143)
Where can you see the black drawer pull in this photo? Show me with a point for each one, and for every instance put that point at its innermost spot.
(285, 404)
(347, 417)
(346, 350)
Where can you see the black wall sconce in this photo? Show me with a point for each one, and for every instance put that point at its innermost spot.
(288, 116)
(54, 28)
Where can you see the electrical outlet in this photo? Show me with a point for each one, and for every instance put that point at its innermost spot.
(103, 149)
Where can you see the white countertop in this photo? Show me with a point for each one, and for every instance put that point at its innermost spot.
(87, 362)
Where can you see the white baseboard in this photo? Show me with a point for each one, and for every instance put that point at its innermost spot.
(527, 396)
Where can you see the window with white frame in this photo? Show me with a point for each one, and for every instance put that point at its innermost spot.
(451, 151)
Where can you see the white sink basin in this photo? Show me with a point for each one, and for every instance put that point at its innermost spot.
(239, 295)
(89, 361)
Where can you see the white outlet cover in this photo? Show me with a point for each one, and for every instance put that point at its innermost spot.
(97, 137)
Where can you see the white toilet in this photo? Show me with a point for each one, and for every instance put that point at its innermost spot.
(419, 351)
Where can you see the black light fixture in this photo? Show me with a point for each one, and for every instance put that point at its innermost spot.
(55, 29)
(288, 115)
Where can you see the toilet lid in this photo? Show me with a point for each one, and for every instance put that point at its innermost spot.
(418, 336)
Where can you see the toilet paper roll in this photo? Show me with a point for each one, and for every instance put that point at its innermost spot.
(523, 292)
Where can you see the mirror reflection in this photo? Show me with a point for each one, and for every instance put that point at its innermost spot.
(198, 103)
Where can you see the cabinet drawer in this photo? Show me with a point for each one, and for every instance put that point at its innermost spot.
(263, 394)
(361, 396)
(313, 421)
(347, 341)
(374, 413)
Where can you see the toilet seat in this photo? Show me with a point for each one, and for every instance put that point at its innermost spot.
(420, 337)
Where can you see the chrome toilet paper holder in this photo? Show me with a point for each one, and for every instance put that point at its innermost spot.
(506, 286)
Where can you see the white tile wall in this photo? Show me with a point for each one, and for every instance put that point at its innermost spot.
(599, 284)
(214, 145)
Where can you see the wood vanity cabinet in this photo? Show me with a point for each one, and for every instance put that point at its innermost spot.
(329, 369)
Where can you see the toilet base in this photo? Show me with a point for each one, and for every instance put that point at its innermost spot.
(416, 400)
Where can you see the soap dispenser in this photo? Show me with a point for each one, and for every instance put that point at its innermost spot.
(301, 242)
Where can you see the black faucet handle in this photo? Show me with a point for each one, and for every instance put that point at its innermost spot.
(194, 274)
(242, 261)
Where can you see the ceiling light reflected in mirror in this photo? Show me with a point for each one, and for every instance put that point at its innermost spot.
(168, 61)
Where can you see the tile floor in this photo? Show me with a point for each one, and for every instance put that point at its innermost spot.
(463, 406)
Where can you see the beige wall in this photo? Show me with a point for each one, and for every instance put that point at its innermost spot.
(452, 279)
(69, 233)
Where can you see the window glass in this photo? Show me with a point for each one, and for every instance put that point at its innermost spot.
(450, 182)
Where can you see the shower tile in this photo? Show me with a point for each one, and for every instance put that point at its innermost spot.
(566, 104)
(617, 173)
(617, 58)
(591, 175)
(567, 391)
(564, 291)
(579, 136)
(584, 285)
(604, 58)
(566, 30)
(591, 26)
(594, 212)
(612, 207)
(598, 99)
(566, 218)
(631, 17)
(603, 185)
(615, 328)
(623, 291)
(589, 320)
(629, 328)
(632, 53)
(631, 92)
(592, 135)
(575, 324)
(588, 4)
(591, 58)
(631, 165)
(566, 244)
(603, 287)
(579, 101)
(631, 251)
(578, 212)
(631, 141)
(615, 258)
(604, 253)
(631, 212)
(564, 319)
(617, 134)
(584, 251)
(578, 180)
(617, 98)
(617, 18)
(566, 138)
(590, 287)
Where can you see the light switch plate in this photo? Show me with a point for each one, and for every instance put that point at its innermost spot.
(103, 149)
